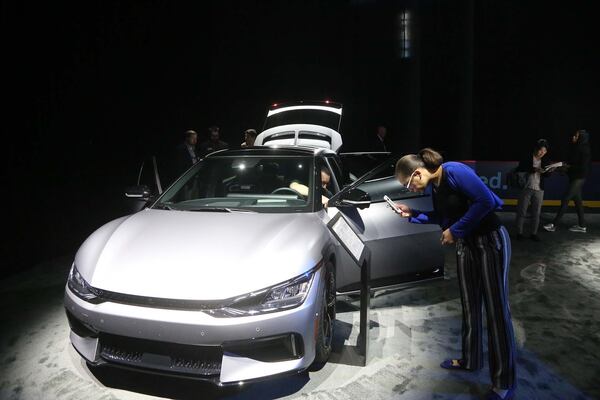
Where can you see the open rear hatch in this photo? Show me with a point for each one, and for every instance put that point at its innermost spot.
(312, 124)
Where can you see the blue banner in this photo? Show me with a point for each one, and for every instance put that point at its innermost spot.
(493, 174)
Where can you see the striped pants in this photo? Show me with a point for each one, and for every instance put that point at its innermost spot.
(483, 264)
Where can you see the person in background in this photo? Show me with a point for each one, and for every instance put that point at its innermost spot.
(379, 143)
(186, 155)
(578, 167)
(249, 138)
(533, 192)
(464, 207)
(325, 192)
(213, 143)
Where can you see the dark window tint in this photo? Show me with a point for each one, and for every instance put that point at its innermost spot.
(383, 183)
(357, 164)
(386, 186)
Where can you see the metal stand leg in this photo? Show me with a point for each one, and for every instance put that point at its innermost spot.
(365, 299)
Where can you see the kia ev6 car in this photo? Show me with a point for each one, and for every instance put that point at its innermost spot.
(231, 274)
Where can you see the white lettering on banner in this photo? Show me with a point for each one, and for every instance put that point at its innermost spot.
(494, 182)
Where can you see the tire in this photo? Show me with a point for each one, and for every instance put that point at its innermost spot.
(326, 319)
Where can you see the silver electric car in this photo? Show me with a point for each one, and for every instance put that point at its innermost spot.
(231, 274)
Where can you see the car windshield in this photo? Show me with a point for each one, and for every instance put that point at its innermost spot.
(243, 183)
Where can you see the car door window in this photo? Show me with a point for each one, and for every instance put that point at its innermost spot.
(377, 188)
(354, 165)
(382, 183)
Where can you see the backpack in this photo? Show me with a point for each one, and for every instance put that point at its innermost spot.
(516, 179)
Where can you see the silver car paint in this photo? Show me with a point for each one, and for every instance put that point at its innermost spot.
(183, 255)
(198, 328)
(397, 246)
(201, 255)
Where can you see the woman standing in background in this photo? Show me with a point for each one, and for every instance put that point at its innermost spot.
(533, 192)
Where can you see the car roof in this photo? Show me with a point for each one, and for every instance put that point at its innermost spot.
(272, 151)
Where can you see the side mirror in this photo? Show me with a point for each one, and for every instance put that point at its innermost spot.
(140, 192)
(356, 198)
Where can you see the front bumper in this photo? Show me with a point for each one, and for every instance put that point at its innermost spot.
(194, 344)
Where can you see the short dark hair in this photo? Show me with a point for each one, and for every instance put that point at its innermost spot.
(251, 132)
(541, 143)
(213, 128)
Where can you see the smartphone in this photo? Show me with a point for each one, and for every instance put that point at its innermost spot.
(391, 203)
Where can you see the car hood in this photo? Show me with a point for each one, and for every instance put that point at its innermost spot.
(200, 255)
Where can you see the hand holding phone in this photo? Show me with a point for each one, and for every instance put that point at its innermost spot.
(391, 203)
(397, 210)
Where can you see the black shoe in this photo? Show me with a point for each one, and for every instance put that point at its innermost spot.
(535, 238)
(520, 236)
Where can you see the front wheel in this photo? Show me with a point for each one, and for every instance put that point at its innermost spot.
(326, 319)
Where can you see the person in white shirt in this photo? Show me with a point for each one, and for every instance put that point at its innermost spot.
(533, 192)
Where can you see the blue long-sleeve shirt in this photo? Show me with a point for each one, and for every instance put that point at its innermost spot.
(462, 202)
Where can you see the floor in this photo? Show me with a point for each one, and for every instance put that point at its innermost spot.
(555, 302)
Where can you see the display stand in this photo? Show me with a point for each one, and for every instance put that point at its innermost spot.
(353, 244)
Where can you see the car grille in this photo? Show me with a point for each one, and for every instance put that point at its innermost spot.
(156, 302)
(169, 357)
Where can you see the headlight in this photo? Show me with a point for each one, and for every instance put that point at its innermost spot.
(280, 297)
(79, 286)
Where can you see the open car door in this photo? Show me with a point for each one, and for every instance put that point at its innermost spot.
(155, 174)
(401, 251)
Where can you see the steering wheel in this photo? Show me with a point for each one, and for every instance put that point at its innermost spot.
(286, 189)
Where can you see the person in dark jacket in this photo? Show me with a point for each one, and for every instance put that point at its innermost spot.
(213, 143)
(533, 192)
(578, 168)
(379, 142)
(186, 155)
(464, 207)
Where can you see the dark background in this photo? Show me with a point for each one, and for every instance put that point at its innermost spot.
(91, 88)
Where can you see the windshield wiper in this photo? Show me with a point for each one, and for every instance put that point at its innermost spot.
(209, 209)
(163, 206)
(220, 209)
